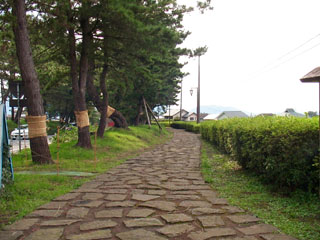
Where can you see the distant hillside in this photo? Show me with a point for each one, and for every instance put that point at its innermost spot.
(213, 109)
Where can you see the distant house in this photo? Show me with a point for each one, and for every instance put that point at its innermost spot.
(174, 114)
(211, 117)
(266, 115)
(231, 114)
(289, 112)
(190, 117)
(203, 115)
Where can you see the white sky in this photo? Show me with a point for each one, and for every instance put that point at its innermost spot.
(243, 38)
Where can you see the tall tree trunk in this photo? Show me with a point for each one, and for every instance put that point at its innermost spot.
(79, 84)
(39, 145)
(139, 113)
(100, 104)
(18, 114)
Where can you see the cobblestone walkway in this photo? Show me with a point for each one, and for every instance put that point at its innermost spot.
(157, 196)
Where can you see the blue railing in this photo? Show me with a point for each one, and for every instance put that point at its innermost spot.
(4, 141)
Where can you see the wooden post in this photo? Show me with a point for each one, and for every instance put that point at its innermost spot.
(145, 108)
(153, 116)
(58, 147)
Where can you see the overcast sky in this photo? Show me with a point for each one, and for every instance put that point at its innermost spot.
(255, 58)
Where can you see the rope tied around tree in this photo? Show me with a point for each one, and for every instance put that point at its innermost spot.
(82, 118)
(37, 126)
(110, 111)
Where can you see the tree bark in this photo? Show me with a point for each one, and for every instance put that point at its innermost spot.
(139, 113)
(79, 84)
(39, 145)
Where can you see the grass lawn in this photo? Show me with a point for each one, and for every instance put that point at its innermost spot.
(31, 191)
(297, 215)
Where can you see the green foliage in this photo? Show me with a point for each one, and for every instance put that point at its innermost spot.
(31, 191)
(189, 126)
(280, 150)
(116, 146)
(296, 215)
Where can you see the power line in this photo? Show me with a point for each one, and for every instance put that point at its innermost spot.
(269, 67)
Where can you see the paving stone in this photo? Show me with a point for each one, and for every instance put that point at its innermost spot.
(98, 224)
(47, 234)
(79, 212)
(176, 230)
(87, 190)
(233, 209)
(68, 196)
(139, 234)
(202, 211)
(94, 235)
(121, 204)
(243, 218)
(140, 212)
(240, 238)
(87, 203)
(211, 221)
(91, 185)
(92, 196)
(184, 193)
(10, 235)
(116, 197)
(144, 197)
(116, 191)
(195, 204)
(56, 223)
(112, 213)
(176, 218)
(276, 237)
(210, 233)
(258, 229)
(143, 222)
(183, 197)
(46, 213)
(157, 192)
(134, 182)
(22, 224)
(161, 205)
(138, 191)
(54, 205)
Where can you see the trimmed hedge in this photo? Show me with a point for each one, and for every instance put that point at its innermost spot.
(189, 126)
(283, 151)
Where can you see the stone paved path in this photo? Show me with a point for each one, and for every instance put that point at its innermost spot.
(157, 196)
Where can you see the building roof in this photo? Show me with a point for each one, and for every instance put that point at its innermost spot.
(173, 112)
(203, 115)
(313, 76)
(232, 114)
(212, 116)
(291, 112)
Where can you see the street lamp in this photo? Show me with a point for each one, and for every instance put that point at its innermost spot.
(314, 77)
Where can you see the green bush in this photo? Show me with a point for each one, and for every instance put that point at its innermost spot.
(282, 150)
(189, 126)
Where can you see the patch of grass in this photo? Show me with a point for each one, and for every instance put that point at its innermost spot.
(31, 191)
(297, 215)
(116, 146)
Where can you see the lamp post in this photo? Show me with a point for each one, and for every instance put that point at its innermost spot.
(314, 77)
(199, 52)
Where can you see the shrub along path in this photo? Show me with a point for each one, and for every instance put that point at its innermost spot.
(158, 195)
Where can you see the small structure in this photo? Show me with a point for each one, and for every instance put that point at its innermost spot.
(211, 117)
(231, 114)
(190, 117)
(202, 116)
(266, 115)
(175, 114)
(289, 112)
